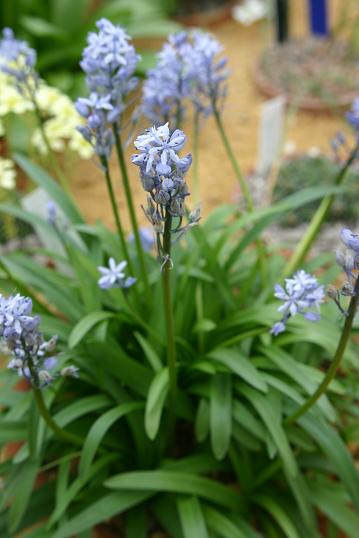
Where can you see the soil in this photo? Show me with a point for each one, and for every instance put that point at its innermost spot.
(243, 46)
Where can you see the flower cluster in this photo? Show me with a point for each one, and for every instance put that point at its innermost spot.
(7, 174)
(301, 295)
(114, 277)
(353, 115)
(18, 60)
(187, 70)
(58, 114)
(162, 172)
(109, 62)
(348, 260)
(20, 333)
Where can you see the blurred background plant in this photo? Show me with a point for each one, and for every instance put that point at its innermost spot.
(303, 171)
(57, 30)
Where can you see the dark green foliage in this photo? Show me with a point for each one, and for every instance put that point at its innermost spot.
(235, 469)
(57, 29)
(305, 171)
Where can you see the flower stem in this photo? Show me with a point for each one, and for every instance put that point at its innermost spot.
(338, 356)
(168, 313)
(44, 412)
(50, 151)
(128, 194)
(195, 178)
(245, 191)
(120, 231)
(316, 223)
(58, 431)
(244, 187)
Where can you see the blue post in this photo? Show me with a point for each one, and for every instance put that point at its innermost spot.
(318, 17)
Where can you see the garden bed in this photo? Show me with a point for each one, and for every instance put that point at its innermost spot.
(313, 74)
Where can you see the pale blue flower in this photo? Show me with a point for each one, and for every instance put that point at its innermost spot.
(302, 295)
(113, 276)
(146, 238)
(18, 60)
(109, 62)
(188, 70)
(20, 333)
(353, 115)
(350, 239)
(162, 171)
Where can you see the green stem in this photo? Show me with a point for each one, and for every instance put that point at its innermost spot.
(50, 151)
(195, 177)
(168, 313)
(58, 431)
(338, 356)
(120, 231)
(131, 209)
(316, 223)
(242, 182)
(44, 412)
(245, 191)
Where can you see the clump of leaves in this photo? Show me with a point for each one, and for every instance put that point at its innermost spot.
(303, 172)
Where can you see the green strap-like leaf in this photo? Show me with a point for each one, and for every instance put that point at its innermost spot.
(220, 414)
(221, 524)
(106, 507)
(54, 190)
(240, 365)
(273, 424)
(176, 482)
(25, 480)
(150, 353)
(336, 451)
(278, 514)
(99, 429)
(84, 326)
(155, 402)
(191, 517)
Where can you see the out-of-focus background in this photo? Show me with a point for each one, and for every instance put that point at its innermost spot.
(316, 72)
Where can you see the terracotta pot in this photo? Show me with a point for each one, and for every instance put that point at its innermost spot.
(210, 17)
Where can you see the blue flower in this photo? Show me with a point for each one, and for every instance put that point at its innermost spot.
(301, 295)
(350, 239)
(20, 333)
(146, 238)
(51, 212)
(109, 62)
(187, 71)
(114, 277)
(353, 115)
(162, 171)
(18, 60)
(348, 260)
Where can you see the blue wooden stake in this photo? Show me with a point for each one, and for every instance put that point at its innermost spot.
(318, 17)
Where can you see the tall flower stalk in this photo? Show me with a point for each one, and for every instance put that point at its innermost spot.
(109, 62)
(349, 261)
(18, 61)
(120, 231)
(131, 210)
(162, 174)
(31, 356)
(190, 71)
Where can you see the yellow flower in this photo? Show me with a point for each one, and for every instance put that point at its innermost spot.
(7, 174)
(81, 146)
(13, 101)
